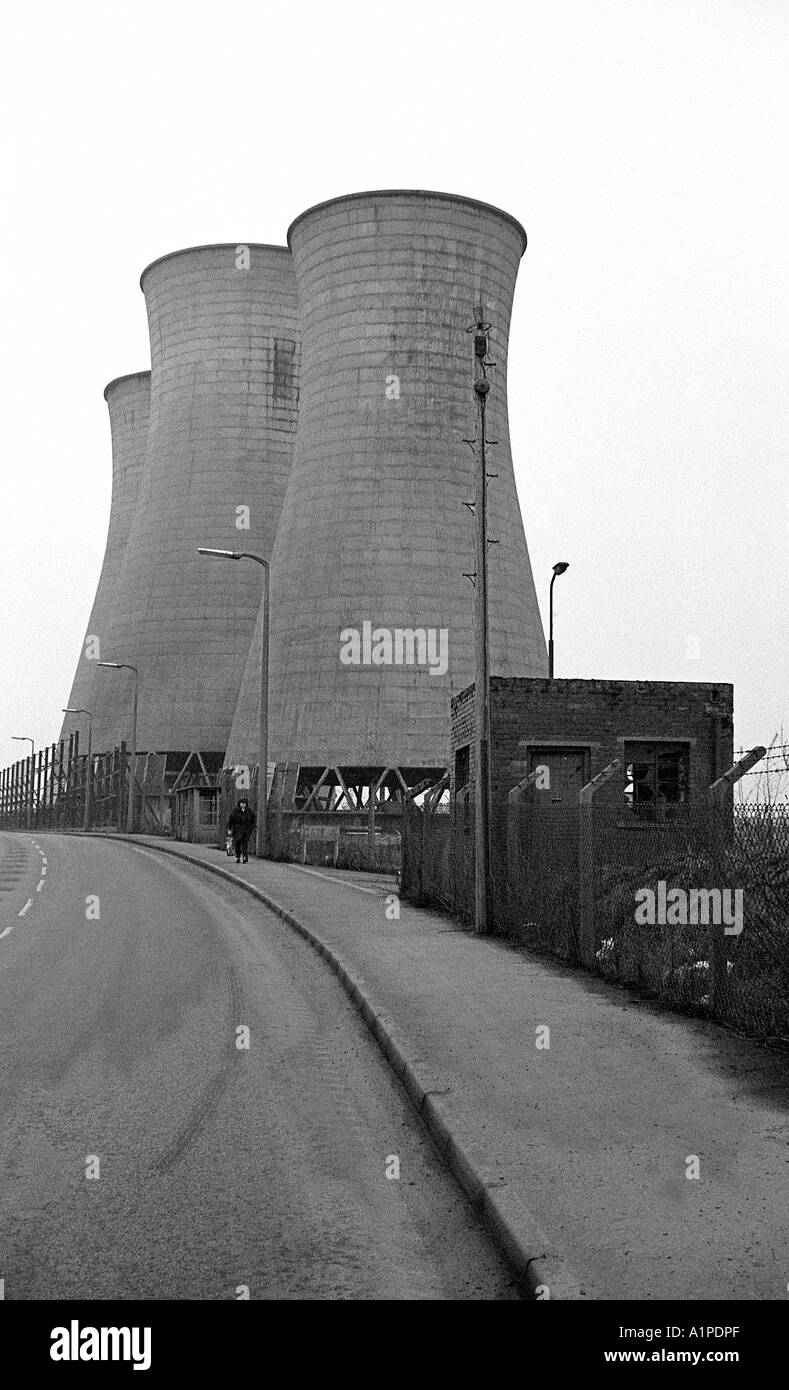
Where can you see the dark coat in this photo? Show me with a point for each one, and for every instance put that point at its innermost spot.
(242, 823)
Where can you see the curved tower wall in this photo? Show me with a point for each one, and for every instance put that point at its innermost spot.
(128, 402)
(373, 526)
(225, 344)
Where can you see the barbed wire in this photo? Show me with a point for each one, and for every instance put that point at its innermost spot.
(773, 748)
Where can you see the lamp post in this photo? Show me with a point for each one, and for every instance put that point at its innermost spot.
(558, 568)
(124, 666)
(89, 778)
(261, 831)
(25, 738)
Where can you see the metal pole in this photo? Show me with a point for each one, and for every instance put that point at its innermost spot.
(89, 783)
(718, 979)
(481, 669)
(261, 835)
(550, 631)
(32, 776)
(27, 774)
(261, 838)
(132, 757)
(71, 781)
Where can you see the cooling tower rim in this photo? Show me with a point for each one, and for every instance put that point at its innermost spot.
(130, 376)
(410, 193)
(212, 246)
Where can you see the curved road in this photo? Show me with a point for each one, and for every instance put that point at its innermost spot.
(220, 1168)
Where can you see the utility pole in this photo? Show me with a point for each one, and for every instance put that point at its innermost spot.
(481, 639)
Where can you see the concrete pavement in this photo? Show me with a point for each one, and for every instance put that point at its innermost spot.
(640, 1155)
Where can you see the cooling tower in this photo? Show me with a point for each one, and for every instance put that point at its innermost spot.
(128, 401)
(374, 537)
(225, 344)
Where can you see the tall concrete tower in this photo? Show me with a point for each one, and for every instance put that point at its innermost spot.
(374, 537)
(128, 401)
(225, 345)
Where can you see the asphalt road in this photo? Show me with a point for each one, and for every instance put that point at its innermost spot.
(219, 1168)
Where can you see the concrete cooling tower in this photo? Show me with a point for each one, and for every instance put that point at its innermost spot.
(371, 616)
(225, 346)
(128, 401)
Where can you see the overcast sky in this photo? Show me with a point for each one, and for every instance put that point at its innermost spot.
(643, 144)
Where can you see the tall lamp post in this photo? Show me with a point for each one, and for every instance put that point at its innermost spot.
(124, 666)
(557, 569)
(261, 832)
(89, 778)
(25, 738)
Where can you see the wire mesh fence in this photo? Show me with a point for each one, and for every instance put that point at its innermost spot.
(693, 909)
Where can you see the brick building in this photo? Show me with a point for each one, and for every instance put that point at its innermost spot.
(673, 738)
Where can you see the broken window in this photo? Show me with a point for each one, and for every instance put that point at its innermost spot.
(656, 778)
(462, 766)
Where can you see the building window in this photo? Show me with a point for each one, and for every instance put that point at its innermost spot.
(564, 772)
(462, 767)
(656, 778)
(209, 808)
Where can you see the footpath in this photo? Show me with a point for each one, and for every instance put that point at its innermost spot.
(616, 1151)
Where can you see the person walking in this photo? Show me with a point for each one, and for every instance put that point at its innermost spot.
(241, 826)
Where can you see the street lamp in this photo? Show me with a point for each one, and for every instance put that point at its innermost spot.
(558, 568)
(25, 738)
(89, 779)
(124, 666)
(261, 832)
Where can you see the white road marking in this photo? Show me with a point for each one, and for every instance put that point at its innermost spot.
(44, 859)
(358, 886)
(39, 885)
(27, 905)
(5, 933)
(43, 870)
(315, 873)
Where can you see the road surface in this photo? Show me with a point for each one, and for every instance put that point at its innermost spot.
(145, 1154)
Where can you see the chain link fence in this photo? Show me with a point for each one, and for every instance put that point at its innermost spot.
(693, 909)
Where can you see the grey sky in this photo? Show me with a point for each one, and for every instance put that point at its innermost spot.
(643, 143)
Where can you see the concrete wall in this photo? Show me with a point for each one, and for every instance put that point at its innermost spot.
(225, 348)
(373, 525)
(128, 402)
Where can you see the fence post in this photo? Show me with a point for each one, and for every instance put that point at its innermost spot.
(120, 787)
(371, 824)
(717, 803)
(586, 915)
(513, 807)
